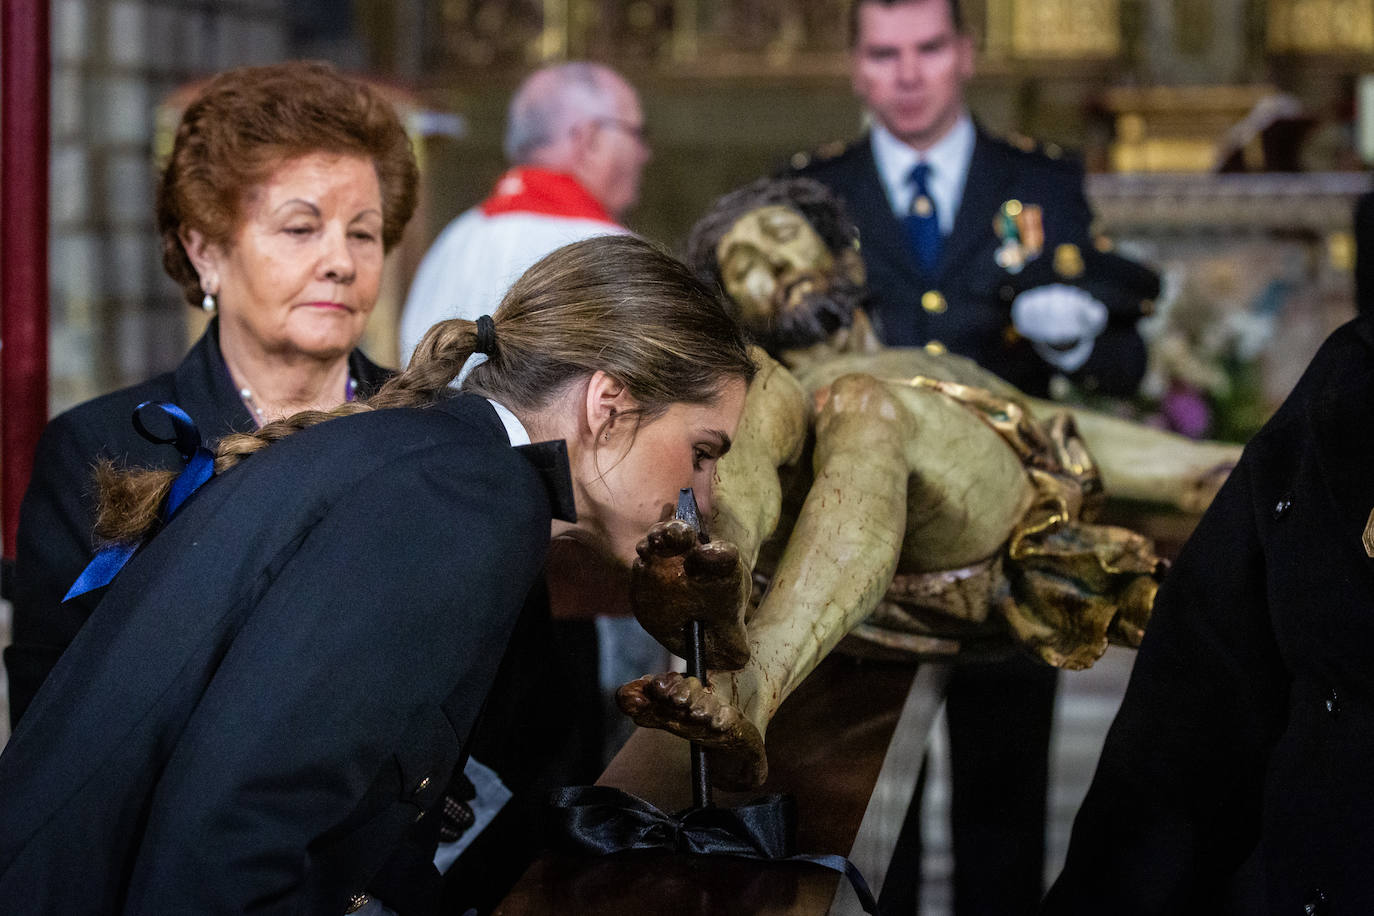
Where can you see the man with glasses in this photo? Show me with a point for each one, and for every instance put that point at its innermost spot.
(575, 141)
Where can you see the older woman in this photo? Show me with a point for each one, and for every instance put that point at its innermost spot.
(285, 187)
(276, 687)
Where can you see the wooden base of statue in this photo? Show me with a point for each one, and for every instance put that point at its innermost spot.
(841, 734)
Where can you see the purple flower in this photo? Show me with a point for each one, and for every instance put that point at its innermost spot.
(1186, 411)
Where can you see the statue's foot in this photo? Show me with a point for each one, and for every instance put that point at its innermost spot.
(684, 706)
(677, 579)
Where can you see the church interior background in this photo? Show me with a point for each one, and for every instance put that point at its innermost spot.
(1222, 141)
(1225, 142)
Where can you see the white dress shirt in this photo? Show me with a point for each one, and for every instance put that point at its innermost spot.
(515, 430)
(949, 160)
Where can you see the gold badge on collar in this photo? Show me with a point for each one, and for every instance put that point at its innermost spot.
(1021, 227)
(1368, 538)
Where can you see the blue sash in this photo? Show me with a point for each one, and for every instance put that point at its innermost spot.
(199, 466)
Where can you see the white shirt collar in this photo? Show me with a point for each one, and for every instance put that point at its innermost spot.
(949, 161)
(515, 430)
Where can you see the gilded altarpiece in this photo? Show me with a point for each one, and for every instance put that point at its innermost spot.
(731, 37)
(1053, 29)
(1321, 26)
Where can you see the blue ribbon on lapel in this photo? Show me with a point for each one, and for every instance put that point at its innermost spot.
(602, 820)
(199, 466)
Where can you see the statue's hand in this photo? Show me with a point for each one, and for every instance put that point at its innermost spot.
(676, 579)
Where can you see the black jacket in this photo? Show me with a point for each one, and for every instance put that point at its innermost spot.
(1249, 720)
(57, 516)
(978, 293)
(280, 682)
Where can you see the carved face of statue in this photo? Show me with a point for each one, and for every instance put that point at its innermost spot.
(770, 259)
(784, 278)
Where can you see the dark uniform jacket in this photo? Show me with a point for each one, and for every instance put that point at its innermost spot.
(280, 682)
(1364, 252)
(1250, 713)
(57, 518)
(966, 305)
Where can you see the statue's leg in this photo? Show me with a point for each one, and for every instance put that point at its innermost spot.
(675, 577)
(842, 552)
(839, 560)
(1150, 465)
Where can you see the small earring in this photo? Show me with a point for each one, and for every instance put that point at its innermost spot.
(208, 303)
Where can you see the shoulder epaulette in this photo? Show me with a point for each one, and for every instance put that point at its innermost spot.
(823, 153)
(1030, 145)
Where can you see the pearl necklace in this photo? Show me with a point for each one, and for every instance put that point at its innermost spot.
(260, 416)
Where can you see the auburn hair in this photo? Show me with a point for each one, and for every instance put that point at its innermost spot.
(248, 121)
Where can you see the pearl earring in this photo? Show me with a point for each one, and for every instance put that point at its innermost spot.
(208, 303)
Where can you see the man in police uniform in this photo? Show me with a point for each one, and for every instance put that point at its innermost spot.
(955, 225)
(976, 246)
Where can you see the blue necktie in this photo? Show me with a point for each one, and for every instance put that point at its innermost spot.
(922, 222)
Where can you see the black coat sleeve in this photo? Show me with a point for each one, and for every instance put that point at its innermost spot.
(1174, 805)
(1364, 253)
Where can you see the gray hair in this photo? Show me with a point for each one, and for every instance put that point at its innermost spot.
(553, 99)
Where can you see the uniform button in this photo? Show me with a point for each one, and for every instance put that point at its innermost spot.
(934, 302)
(935, 347)
(424, 784)
(1281, 508)
(1006, 292)
(1333, 702)
(1068, 261)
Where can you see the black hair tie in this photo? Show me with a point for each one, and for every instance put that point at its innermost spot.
(486, 335)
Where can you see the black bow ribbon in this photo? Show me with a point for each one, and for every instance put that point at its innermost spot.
(601, 820)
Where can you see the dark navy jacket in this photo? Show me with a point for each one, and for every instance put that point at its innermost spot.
(57, 518)
(281, 681)
(976, 292)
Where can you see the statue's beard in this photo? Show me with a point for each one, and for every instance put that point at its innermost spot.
(808, 317)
